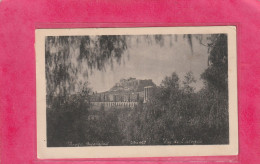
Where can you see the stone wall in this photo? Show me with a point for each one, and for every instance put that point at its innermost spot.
(107, 105)
(117, 97)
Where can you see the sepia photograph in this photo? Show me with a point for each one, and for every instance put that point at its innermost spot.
(118, 92)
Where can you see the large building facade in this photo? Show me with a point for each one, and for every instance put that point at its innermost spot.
(126, 93)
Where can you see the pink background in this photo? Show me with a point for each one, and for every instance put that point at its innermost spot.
(20, 18)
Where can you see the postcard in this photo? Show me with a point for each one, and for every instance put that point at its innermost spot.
(136, 92)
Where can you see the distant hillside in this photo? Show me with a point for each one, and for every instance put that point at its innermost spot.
(131, 84)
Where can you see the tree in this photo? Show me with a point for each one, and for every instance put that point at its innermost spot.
(187, 83)
(66, 58)
(214, 97)
(216, 75)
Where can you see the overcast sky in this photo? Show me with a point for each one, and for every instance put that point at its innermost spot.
(152, 61)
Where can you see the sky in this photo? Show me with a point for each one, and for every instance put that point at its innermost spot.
(154, 61)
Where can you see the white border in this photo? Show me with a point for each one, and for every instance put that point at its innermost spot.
(44, 152)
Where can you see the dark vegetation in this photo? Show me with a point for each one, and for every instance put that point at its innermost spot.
(176, 114)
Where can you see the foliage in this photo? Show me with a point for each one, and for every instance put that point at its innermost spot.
(69, 57)
(216, 75)
(65, 118)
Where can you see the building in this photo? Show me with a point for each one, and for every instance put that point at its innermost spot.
(148, 91)
(126, 93)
